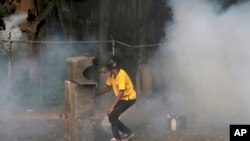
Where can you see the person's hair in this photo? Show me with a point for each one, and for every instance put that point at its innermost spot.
(115, 59)
(110, 62)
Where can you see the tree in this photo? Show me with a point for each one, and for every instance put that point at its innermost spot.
(42, 13)
(7, 8)
(103, 28)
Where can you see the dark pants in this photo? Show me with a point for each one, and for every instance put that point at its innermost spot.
(116, 124)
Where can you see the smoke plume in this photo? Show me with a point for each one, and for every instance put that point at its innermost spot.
(206, 62)
(12, 32)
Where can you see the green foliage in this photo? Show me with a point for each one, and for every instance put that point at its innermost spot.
(7, 9)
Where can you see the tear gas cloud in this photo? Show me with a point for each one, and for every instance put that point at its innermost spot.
(12, 23)
(50, 64)
(12, 32)
(24, 90)
(206, 62)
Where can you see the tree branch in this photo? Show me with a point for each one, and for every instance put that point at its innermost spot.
(41, 17)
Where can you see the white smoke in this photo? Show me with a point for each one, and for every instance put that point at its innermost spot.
(12, 30)
(206, 62)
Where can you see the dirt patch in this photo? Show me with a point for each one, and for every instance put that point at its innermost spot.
(47, 125)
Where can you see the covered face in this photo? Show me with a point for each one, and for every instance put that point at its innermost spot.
(111, 63)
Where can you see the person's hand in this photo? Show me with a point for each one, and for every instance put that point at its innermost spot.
(110, 110)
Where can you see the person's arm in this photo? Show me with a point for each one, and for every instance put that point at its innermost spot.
(115, 101)
(103, 90)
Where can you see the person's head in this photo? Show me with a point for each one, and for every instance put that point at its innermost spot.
(113, 63)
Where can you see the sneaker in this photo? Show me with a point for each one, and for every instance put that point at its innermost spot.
(127, 137)
(115, 139)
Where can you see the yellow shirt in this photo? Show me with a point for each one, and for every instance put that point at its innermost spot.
(122, 82)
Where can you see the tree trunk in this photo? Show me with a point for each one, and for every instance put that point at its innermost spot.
(60, 15)
(39, 6)
(103, 28)
(33, 71)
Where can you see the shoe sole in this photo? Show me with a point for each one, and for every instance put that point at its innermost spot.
(130, 137)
